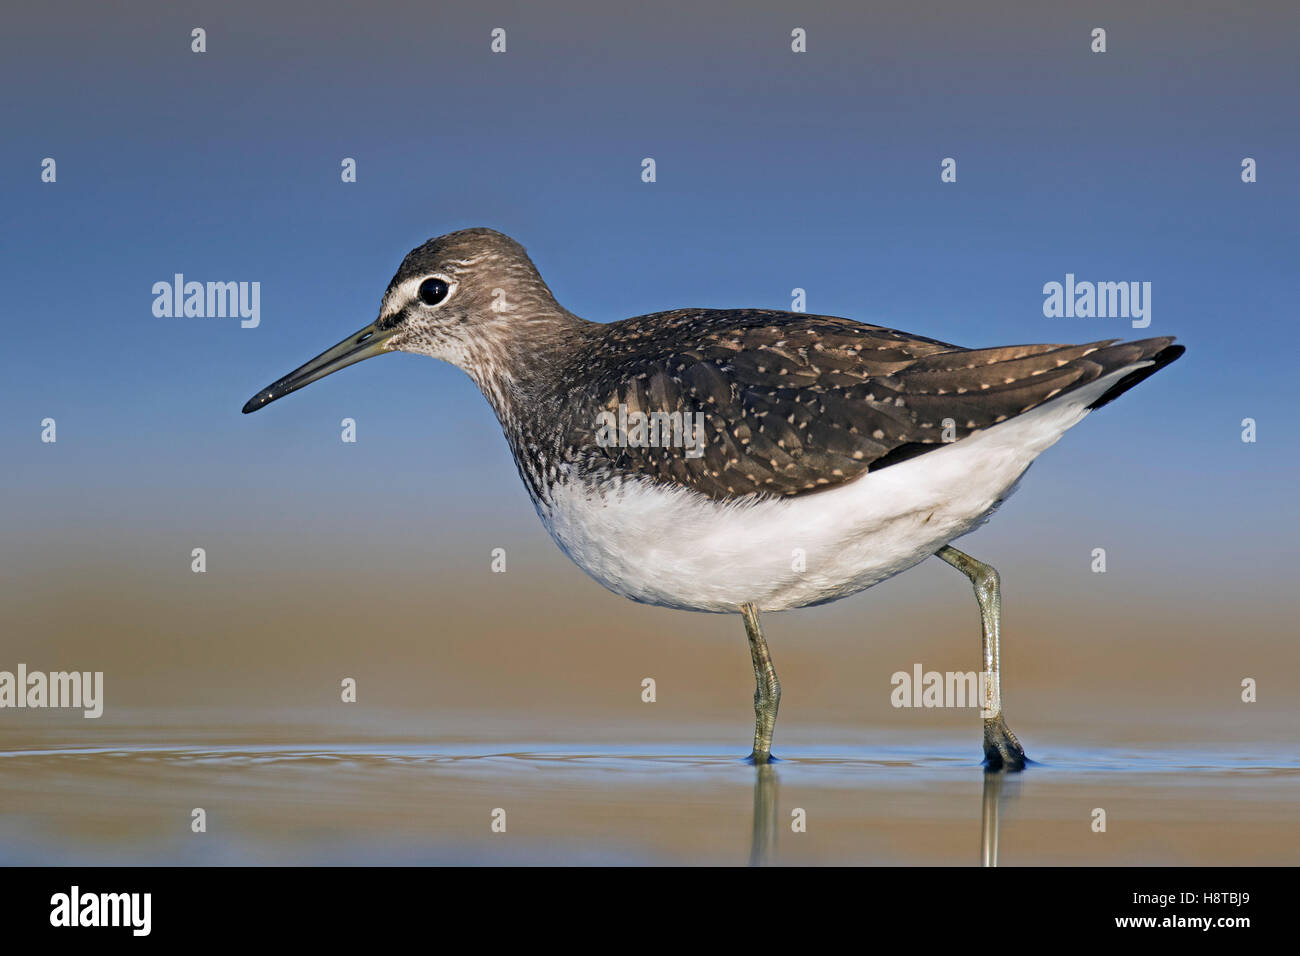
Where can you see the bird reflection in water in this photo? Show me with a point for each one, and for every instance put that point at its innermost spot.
(764, 840)
(763, 843)
(990, 805)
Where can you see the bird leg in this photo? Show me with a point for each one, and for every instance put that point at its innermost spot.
(1001, 748)
(767, 688)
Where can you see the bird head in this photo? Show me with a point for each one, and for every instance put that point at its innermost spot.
(472, 298)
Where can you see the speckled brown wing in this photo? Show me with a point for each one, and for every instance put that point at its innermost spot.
(794, 403)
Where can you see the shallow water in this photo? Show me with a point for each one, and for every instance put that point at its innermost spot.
(917, 799)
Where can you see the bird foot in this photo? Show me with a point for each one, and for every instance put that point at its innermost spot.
(1002, 751)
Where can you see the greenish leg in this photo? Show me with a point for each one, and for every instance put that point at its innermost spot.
(767, 689)
(1001, 749)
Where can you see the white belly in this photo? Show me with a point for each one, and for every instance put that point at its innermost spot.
(677, 548)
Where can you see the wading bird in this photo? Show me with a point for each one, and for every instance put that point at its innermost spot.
(868, 449)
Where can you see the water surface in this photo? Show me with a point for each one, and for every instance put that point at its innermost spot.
(915, 799)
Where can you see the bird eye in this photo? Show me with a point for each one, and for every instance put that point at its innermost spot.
(433, 291)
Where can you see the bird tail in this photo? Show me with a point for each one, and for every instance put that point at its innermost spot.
(1150, 354)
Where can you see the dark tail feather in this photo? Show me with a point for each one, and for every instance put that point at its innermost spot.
(1159, 361)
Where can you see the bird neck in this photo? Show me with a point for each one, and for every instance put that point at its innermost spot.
(518, 360)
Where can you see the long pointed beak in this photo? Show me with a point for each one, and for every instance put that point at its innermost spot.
(370, 341)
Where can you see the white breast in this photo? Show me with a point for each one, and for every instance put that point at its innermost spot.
(677, 548)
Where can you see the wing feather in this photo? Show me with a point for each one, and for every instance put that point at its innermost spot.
(795, 403)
